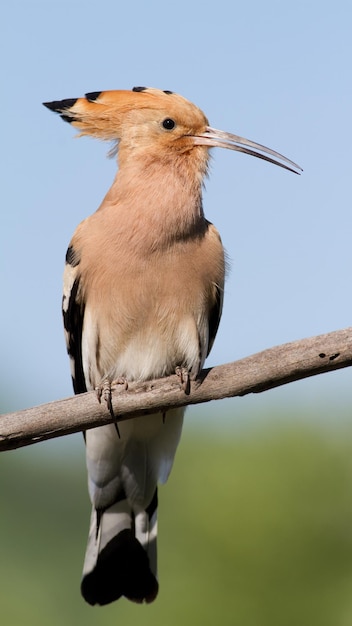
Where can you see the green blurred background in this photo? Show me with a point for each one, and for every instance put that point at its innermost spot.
(255, 527)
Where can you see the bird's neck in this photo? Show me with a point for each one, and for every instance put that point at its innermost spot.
(159, 199)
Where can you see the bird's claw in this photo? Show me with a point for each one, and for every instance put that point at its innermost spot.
(185, 380)
(105, 389)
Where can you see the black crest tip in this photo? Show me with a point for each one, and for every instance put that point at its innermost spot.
(92, 95)
(60, 105)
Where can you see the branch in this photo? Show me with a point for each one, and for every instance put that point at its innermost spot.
(254, 374)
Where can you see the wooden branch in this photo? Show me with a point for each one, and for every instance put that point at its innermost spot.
(259, 372)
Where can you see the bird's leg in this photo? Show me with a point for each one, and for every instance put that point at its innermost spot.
(104, 390)
(185, 380)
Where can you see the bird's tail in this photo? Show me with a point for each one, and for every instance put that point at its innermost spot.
(121, 555)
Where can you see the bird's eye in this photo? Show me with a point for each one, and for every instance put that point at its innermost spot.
(168, 123)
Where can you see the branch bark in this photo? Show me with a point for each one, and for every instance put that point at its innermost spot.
(262, 371)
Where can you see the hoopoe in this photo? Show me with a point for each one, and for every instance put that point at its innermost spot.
(143, 294)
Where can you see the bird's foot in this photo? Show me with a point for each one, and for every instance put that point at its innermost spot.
(105, 389)
(185, 380)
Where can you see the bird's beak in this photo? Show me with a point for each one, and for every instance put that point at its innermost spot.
(219, 138)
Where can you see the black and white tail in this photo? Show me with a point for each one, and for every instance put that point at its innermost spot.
(124, 469)
(121, 557)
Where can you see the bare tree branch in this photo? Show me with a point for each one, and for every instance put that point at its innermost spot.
(254, 374)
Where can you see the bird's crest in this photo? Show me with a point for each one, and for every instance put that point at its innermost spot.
(101, 114)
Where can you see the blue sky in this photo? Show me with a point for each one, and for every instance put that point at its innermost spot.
(276, 72)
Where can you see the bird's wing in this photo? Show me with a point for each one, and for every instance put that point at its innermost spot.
(73, 307)
(219, 260)
(215, 315)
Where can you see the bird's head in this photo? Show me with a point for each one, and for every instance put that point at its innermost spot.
(150, 122)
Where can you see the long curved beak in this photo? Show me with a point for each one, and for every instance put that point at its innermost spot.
(221, 139)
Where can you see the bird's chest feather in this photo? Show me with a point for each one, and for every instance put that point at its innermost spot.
(147, 316)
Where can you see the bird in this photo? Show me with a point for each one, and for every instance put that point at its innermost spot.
(142, 299)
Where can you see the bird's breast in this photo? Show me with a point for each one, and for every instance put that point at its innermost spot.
(147, 313)
(147, 342)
